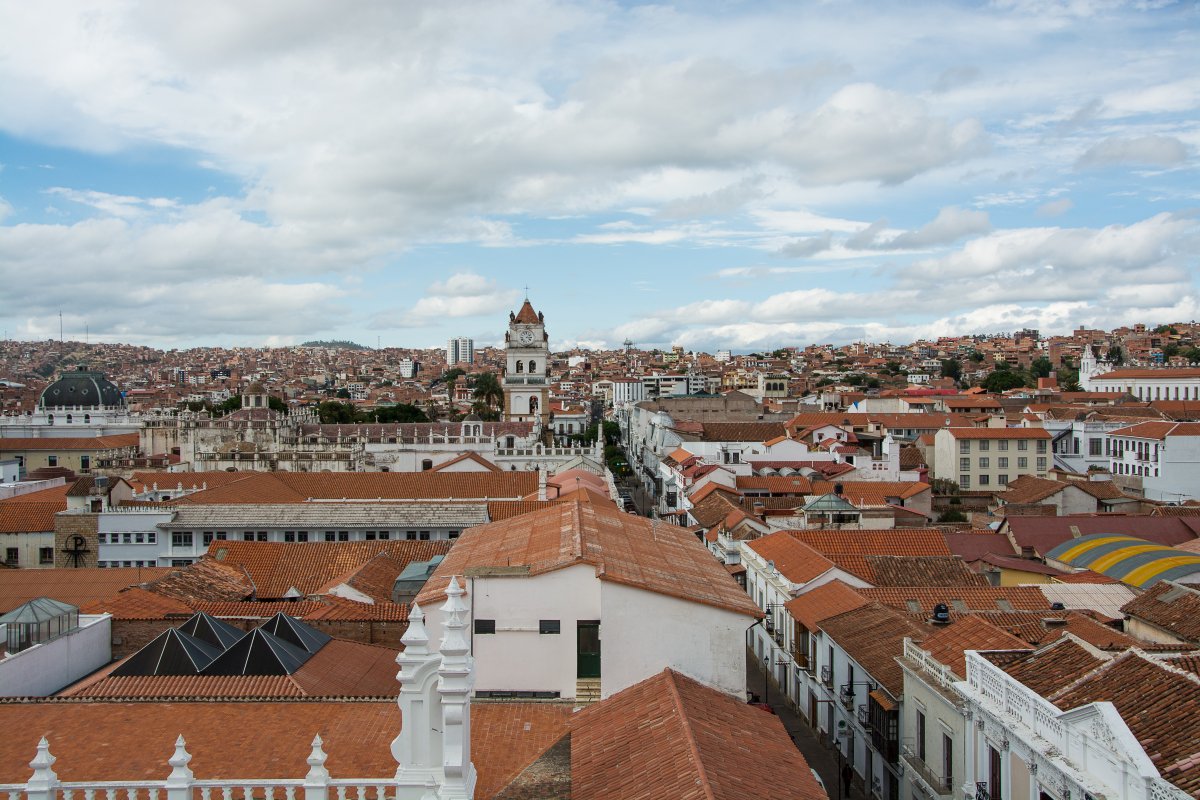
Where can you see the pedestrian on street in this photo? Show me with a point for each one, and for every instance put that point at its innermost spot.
(847, 776)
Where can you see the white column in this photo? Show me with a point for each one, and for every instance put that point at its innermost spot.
(456, 679)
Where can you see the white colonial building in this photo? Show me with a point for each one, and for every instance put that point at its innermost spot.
(581, 600)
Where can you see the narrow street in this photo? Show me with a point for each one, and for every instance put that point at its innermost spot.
(819, 757)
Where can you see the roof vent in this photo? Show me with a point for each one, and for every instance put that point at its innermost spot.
(1054, 622)
(1058, 606)
(941, 614)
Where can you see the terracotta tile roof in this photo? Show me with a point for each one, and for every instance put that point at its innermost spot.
(896, 542)
(1084, 576)
(922, 571)
(207, 579)
(795, 560)
(507, 737)
(715, 507)
(922, 599)
(1019, 564)
(1154, 430)
(278, 567)
(226, 740)
(948, 644)
(189, 687)
(973, 545)
(527, 316)
(1038, 628)
(136, 603)
(589, 529)
(377, 577)
(299, 487)
(1031, 489)
(87, 443)
(853, 489)
(1158, 703)
(504, 509)
(775, 484)
(826, 600)
(29, 517)
(54, 494)
(472, 457)
(75, 586)
(672, 737)
(1053, 667)
(873, 636)
(1170, 606)
(740, 431)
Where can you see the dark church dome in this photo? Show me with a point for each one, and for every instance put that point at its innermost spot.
(81, 388)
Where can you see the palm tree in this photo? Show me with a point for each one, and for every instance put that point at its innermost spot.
(488, 391)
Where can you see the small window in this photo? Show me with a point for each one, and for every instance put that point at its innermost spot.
(301, 536)
(126, 538)
(45, 555)
(207, 538)
(984, 444)
(410, 534)
(330, 536)
(248, 536)
(222, 536)
(485, 626)
(452, 535)
(343, 536)
(52, 461)
(369, 536)
(289, 536)
(549, 626)
(101, 538)
(181, 539)
(383, 534)
(424, 535)
(262, 536)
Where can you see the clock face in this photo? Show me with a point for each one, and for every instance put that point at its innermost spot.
(525, 336)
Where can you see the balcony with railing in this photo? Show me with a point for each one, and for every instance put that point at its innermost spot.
(827, 675)
(925, 778)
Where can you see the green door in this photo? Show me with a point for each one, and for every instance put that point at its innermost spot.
(587, 648)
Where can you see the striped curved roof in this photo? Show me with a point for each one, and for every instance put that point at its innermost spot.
(1127, 558)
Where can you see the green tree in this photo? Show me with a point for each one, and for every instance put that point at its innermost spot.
(488, 393)
(332, 412)
(1116, 356)
(1002, 380)
(952, 515)
(1170, 351)
(951, 369)
(1192, 354)
(343, 394)
(976, 356)
(401, 412)
(1068, 379)
(1041, 368)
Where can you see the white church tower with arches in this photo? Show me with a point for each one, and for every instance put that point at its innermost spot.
(526, 381)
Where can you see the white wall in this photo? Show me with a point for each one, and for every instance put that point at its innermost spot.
(46, 668)
(643, 632)
(517, 657)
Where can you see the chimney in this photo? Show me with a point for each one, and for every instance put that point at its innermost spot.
(541, 484)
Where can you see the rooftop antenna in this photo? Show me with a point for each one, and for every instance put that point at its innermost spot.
(60, 333)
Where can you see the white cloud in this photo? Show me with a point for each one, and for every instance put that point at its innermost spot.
(950, 225)
(1055, 208)
(1160, 151)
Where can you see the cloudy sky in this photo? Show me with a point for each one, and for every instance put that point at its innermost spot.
(720, 174)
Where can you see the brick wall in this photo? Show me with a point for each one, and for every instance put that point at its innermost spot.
(68, 525)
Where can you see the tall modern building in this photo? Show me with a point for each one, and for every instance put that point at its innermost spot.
(460, 351)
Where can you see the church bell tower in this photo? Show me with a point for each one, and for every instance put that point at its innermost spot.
(526, 369)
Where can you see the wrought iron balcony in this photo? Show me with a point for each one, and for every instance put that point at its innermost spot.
(827, 675)
(981, 791)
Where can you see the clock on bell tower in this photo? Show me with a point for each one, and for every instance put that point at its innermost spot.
(526, 368)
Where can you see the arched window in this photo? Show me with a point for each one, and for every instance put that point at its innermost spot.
(533, 405)
(87, 418)
(70, 419)
(50, 419)
(520, 366)
(533, 366)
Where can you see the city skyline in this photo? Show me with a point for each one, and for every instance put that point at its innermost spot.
(717, 177)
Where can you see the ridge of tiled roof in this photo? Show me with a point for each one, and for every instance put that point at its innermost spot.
(54, 494)
(527, 315)
(275, 568)
(1170, 606)
(1137, 686)
(468, 456)
(671, 736)
(589, 529)
(822, 602)
(971, 598)
(891, 542)
(873, 635)
(75, 586)
(110, 442)
(948, 645)
(795, 560)
(135, 603)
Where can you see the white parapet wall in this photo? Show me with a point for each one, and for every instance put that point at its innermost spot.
(46, 668)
